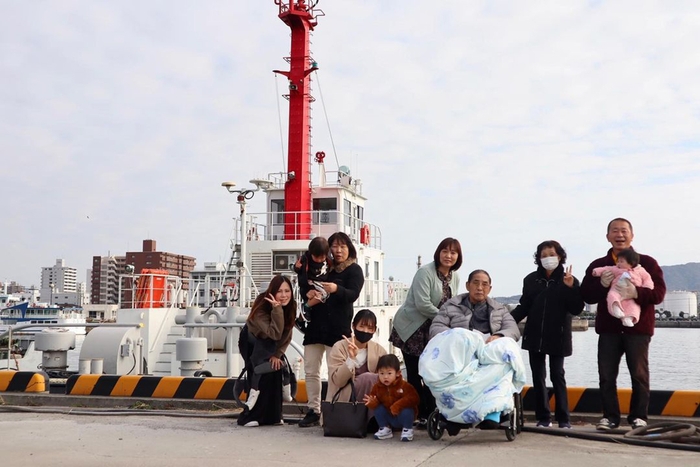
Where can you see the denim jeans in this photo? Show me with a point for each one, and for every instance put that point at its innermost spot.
(384, 418)
(611, 347)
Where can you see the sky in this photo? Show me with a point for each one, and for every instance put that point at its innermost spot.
(499, 123)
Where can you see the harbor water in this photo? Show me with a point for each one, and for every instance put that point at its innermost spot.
(674, 360)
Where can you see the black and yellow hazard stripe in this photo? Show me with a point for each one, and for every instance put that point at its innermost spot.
(587, 400)
(178, 387)
(23, 381)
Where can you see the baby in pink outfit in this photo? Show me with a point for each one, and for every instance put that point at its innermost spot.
(627, 269)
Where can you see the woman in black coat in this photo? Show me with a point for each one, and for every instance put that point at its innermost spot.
(330, 317)
(551, 295)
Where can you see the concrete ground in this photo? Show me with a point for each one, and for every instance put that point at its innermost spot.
(185, 438)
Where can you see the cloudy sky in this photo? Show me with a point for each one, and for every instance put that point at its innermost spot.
(500, 123)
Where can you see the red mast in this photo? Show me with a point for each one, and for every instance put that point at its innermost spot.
(299, 16)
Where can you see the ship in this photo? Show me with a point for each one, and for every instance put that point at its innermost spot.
(168, 326)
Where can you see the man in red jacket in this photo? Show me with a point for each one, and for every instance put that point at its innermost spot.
(614, 339)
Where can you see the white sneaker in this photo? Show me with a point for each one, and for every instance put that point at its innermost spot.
(252, 398)
(617, 311)
(287, 393)
(407, 434)
(252, 423)
(627, 322)
(638, 423)
(384, 433)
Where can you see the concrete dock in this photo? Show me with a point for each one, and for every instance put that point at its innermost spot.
(189, 435)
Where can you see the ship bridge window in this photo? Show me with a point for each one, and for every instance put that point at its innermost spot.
(277, 207)
(325, 204)
(347, 211)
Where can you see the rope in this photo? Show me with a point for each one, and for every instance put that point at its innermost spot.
(325, 114)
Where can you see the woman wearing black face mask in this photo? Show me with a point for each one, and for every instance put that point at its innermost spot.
(355, 358)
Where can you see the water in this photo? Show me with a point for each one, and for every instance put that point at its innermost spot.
(674, 361)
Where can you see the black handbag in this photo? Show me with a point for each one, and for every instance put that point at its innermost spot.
(344, 419)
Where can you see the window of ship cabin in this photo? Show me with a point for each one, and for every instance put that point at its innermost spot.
(376, 270)
(277, 206)
(348, 212)
(325, 204)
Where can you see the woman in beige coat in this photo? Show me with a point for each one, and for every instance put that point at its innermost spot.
(355, 358)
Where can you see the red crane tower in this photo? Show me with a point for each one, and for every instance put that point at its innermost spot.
(300, 16)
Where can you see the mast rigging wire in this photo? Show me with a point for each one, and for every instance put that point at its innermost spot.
(328, 124)
(279, 118)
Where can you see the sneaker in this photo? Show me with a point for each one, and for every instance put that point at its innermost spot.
(638, 423)
(407, 434)
(287, 393)
(252, 398)
(386, 433)
(421, 424)
(252, 423)
(310, 419)
(545, 424)
(605, 425)
(565, 425)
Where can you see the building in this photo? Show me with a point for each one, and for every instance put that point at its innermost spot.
(57, 279)
(149, 258)
(104, 279)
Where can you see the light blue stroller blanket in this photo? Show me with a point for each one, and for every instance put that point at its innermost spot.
(471, 379)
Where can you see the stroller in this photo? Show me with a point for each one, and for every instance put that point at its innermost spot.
(474, 384)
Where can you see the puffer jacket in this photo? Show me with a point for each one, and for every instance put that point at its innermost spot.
(455, 314)
(397, 396)
(548, 304)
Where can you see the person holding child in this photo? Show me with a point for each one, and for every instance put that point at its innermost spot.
(626, 269)
(614, 339)
(263, 342)
(331, 314)
(394, 401)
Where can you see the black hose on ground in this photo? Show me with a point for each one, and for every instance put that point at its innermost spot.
(611, 438)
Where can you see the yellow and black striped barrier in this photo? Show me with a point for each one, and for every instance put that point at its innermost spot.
(23, 381)
(167, 387)
(587, 400)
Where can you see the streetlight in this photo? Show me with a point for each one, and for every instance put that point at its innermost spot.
(242, 195)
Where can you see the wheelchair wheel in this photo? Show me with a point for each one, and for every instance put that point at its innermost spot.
(435, 430)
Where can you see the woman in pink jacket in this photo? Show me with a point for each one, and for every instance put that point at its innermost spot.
(627, 268)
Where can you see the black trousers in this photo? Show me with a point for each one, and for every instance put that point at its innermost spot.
(611, 347)
(539, 386)
(427, 401)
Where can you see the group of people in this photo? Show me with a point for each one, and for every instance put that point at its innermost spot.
(624, 284)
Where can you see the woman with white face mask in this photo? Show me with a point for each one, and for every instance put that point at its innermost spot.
(551, 295)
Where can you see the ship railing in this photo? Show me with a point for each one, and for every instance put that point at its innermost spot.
(382, 293)
(151, 291)
(271, 226)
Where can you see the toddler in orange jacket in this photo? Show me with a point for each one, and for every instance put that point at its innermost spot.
(395, 401)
